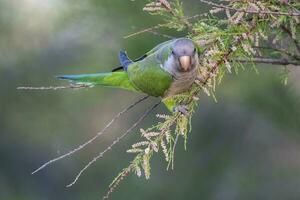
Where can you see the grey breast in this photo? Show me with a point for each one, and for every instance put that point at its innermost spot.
(181, 82)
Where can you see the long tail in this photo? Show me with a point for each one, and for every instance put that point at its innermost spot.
(110, 79)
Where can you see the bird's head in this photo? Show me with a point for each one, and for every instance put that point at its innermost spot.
(184, 55)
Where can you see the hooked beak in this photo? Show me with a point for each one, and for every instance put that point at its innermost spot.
(185, 62)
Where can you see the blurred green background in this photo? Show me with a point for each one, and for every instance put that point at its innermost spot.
(246, 146)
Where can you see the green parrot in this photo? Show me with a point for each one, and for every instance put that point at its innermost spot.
(168, 69)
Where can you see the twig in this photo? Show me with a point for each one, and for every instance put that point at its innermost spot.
(279, 50)
(146, 30)
(161, 34)
(202, 81)
(160, 26)
(173, 150)
(72, 86)
(249, 11)
(273, 61)
(93, 138)
(117, 182)
(100, 155)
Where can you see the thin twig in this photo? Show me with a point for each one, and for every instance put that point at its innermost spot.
(161, 34)
(160, 26)
(249, 11)
(71, 86)
(115, 184)
(279, 50)
(146, 30)
(201, 81)
(273, 61)
(93, 138)
(173, 150)
(100, 155)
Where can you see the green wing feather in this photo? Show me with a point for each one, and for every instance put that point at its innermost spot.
(149, 77)
(111, 79)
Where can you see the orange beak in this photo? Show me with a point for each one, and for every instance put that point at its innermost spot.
(185, 62)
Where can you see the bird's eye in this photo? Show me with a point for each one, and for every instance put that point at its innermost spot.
(173, 52)
(195, 50)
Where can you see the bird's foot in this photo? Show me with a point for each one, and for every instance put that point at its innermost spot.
(183, 109)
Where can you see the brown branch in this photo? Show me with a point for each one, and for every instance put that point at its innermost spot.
(202, 81)
(249, 11)
(146, 30)
(173, 150)
(160, 26)
(161, 34)
(72, 86)
(124, 174)
(81, 146)
(273, 61)
(100, 155)
(281, 50)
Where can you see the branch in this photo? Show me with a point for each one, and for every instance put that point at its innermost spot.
(100, 155)
(281, 50)
(161, 34)
(146, 30)
(160, 26)
(81, 146)
(249, 11)
(71, 86)
(273, 61)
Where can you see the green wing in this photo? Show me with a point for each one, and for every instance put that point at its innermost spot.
(111, 79)
(149, 77)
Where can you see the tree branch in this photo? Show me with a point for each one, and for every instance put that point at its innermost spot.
(249, 11)
(71, 86)
(273, 61)
(149, 29)
(100, 155)
(161, 34)
(81, 146)
(281, 50)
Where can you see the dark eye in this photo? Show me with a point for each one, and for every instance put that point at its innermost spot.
(195, 50)
(173, 52)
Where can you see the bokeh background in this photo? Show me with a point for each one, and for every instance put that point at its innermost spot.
(246, 146)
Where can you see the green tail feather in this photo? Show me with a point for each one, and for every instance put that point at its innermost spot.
(111, 79)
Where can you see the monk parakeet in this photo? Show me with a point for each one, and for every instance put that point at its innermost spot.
(168, 69)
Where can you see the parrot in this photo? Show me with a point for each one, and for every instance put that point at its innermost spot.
(169, 69)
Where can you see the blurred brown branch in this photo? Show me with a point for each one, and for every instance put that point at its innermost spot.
(100, 155)
(273, 61)
(250, 11)
(71, 86)
(281, 50)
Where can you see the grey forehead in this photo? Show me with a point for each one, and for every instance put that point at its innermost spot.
(183, 46)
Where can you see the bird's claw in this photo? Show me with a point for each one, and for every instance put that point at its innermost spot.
(183, 109)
